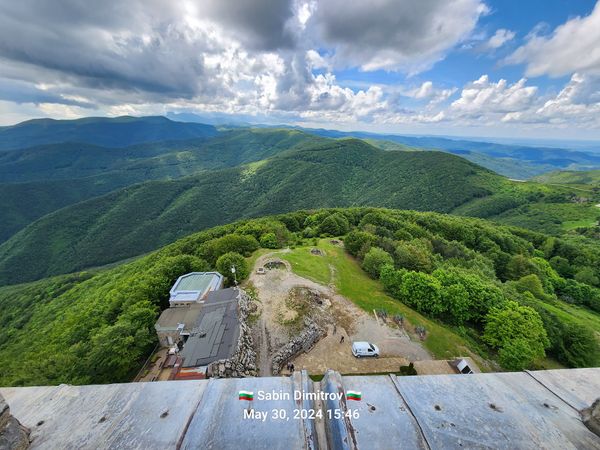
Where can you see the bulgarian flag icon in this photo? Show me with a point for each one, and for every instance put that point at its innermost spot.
(353, 395)
(246, 395)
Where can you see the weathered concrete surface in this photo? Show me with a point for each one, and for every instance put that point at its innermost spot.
(578, 387)
(134, 415)
(503, 410)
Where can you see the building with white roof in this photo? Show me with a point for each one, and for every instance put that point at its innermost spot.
(194, 287)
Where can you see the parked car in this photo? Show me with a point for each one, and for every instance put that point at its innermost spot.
(463, 367)
(360, 349)
(261, 271)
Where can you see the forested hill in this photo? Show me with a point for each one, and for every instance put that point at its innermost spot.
(143, 217)
(38, 180)
(108, 132)
(510, 295)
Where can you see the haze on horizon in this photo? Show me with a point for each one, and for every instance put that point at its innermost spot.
(443, 67)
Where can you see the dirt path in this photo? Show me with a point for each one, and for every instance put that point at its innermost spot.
(264, 362)
(337, 314)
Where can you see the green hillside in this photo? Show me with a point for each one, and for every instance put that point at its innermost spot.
(23, 203)
(585, 177)
(497, 291)
(143, 217)
(103, 131)
(39, 180)
(153, 160)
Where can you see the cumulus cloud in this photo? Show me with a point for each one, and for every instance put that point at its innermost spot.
(428, 92)
(500, 37)
(394, 34)
(483, 97)
(577, 104)
(571, 47)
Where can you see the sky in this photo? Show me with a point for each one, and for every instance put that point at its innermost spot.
(507, 69)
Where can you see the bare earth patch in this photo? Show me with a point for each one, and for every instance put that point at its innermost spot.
(339, 316)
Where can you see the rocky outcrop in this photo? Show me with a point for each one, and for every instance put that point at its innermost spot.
(307, 338)
(13, 435)
(591, 417)
(243, 361)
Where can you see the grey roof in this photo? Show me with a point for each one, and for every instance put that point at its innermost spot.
(170, 318)
(216, 331)
(524, 410)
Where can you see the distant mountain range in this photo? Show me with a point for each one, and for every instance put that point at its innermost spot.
(513, 161)
(107, 132)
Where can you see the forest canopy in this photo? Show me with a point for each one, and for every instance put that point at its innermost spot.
(508, 289)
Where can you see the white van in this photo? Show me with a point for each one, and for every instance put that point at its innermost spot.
(360, 349)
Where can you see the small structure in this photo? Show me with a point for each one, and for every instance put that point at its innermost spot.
(215, 333)
(175, 324)
(194, 287)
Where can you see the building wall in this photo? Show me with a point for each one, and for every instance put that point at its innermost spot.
(163, 337)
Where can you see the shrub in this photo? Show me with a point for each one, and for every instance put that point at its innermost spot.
(269, 240)
(374, 260)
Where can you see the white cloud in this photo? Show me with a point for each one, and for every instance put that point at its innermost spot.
(501, 37)
(573, 47)
(577, 104)
(428, 92)
(484, 97)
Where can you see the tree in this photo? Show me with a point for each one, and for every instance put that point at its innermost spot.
(531, 283)
(482, 294)
(456, 298)
(374, 260)
(269, 240)
(334, 225)
(422, 291)
(562, 266)
(518, 333)
(355, 240)
(579, 347)
(519, 266)
(229, 260)
(588, 276)
(391, 279)
(240, 243)
(516, 355)
(413, 255)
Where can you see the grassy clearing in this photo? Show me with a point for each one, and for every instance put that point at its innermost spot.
(251, 260)
(307, 265)
(353, 283)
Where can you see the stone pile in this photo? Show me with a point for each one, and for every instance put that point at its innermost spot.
(243, 361)
(307, 338)
(13, 435)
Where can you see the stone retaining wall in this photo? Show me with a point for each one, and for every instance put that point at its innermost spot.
(243, 361)
(307, 338)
